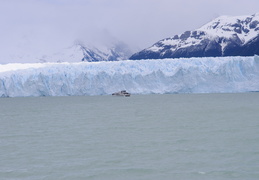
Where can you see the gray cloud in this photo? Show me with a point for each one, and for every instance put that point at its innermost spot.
(42, 26)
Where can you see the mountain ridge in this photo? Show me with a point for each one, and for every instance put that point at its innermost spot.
(223, 36)
(90, 53)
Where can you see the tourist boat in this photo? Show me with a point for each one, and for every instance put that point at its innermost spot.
(122, 93)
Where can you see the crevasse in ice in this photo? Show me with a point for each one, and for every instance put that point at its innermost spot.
(194, 75)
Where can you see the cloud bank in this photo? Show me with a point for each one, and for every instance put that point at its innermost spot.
(36, 27)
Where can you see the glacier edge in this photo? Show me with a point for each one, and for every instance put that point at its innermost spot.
(193, 75)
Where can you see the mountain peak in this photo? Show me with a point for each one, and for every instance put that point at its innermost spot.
(223, 36)
(245, 27)
(81, 51)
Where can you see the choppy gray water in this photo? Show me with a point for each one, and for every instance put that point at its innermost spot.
(150, 137)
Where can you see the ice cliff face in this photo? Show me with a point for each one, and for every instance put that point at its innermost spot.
(195, 75)
(224, 36)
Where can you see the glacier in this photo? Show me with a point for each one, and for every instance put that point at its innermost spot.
(192, 75)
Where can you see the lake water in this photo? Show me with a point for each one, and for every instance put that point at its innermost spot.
(149, 137)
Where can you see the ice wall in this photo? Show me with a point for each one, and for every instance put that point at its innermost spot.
(194, 75)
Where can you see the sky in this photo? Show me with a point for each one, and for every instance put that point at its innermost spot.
(45, 26)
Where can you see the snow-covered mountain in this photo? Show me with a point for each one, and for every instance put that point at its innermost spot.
(80, 52)
(77, 52)
(224, 36)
